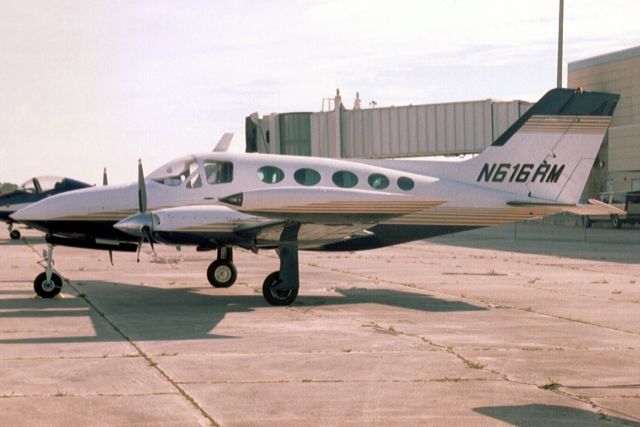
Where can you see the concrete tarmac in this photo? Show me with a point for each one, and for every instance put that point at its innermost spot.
(520, 325)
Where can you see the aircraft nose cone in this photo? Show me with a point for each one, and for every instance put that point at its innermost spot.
(29, 213)
(133, 224)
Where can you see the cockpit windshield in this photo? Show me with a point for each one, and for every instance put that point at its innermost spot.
(182, 171)
(41, 184)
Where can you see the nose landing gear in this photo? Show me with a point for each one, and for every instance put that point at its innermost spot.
(48, 284)
(222, 272)
(14, 234)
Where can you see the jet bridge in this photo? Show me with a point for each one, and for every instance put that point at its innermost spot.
(407, 131)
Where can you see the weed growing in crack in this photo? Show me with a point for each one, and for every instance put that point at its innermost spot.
(551, 384)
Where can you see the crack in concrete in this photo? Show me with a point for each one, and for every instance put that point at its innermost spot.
(148, 358)
(115, 356)
(480, 300)
(62, 393)
(339, 381)
(474, 365)
(558, 389)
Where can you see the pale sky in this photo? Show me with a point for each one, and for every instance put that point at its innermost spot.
(87, 84)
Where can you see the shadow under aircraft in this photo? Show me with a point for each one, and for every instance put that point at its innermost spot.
(148, 313)
(538, 414)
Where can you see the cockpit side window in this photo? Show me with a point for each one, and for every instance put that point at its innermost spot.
(218, 172)
(194, 180)
(48, 183)
(29, 187)
(184, 171)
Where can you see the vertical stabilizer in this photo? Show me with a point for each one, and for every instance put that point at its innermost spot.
(547, 153)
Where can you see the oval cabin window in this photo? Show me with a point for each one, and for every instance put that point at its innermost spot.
(405, 183)
(306, 177)
(378, 181)
(345, 179)
(270, 174)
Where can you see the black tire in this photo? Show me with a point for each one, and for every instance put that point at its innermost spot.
(46, 289)
(14, 234)
(274, 297)
(222, 273)
(616, 222)
(586, 221)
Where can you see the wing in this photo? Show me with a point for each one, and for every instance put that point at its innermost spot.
(326, 205)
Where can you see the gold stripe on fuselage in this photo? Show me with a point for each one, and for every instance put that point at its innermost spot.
(377, 207)
(474, 216)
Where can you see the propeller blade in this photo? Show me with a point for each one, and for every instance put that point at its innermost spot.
(139, 247)
(142, 189)
(146, 231)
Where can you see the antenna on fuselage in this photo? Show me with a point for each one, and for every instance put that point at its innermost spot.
(223, 144)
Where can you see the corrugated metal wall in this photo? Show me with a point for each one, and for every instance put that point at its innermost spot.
(295, 133)
(421, 130)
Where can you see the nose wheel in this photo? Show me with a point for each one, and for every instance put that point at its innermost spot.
(48, 284)
(14, 234)
(222, 272)
(47, 288)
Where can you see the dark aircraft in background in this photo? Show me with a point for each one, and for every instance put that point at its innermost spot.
(34, 190)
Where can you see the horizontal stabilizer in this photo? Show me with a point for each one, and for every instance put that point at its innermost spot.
(595, 207)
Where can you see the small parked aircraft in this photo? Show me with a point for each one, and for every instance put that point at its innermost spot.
(218, 200)
(33, 190)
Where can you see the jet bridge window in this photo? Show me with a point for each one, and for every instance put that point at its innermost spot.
(307, 177)
(405, 184)
(270, 174)
(378, 181)
(218, 172)
(345, 179)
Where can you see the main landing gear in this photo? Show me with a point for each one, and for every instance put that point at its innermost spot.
(281, 287)
(14, 234)
(48, 283)
(222, 272)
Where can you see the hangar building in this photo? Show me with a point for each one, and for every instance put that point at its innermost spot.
(618, 165)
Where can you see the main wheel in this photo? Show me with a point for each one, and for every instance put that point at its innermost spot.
(222, 273)
(47, 288)
(615, 221)
(586, 221)
(14, 234)
(274, 296)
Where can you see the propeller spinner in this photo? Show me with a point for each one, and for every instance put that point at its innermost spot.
(141, 224)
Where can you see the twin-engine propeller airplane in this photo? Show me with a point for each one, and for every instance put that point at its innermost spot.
(31, 191)
(218, 200)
